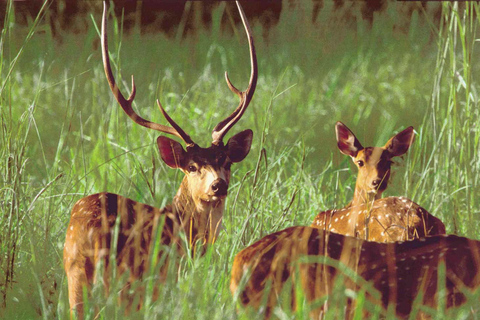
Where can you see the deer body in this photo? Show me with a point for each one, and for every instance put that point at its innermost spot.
(399, 271)
(90, 234)
(368, 215)
(196, 210)
(92, 228)
(384, 220)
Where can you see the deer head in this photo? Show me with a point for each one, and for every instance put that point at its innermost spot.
(373, 163)
(207, 170)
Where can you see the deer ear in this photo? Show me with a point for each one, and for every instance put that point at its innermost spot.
(239, 145)
(400, 143)
(346, 140)
(171, 151)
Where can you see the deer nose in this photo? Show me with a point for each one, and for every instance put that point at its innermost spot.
(376, 182)
(219, 187)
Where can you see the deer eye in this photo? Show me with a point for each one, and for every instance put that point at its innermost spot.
(192, 169)
(360, 163)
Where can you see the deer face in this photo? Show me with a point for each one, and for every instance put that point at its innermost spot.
(207, 170)
(373, 163)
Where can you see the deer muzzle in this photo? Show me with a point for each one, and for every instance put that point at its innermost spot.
(219, 188)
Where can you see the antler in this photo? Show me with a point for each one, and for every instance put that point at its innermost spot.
(245, 96)
(126, 104)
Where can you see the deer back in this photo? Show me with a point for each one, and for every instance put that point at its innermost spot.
(398, 271)
(197, 208)
(368, 216)
(99, 218)
(384, 220)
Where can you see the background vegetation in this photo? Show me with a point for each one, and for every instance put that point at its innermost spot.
(62, 135)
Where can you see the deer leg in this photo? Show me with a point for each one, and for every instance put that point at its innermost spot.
(77, 279)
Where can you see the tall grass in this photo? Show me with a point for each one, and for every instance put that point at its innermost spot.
(63, 136)
(450, 155)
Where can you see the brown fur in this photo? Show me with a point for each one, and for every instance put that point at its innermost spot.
(399, 271)
(384, 220)
(90, 233)
(368, 216)
(196, 210)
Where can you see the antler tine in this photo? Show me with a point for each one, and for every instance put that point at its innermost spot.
(232, 87)
(183, 134)
(126, 104)
(245, 96)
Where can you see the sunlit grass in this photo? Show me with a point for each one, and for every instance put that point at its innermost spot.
(63, 136)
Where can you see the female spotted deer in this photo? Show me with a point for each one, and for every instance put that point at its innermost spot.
(196, 210)
(368, 216)
(406, 274)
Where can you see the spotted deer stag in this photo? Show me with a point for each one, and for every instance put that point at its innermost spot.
(406, 274)
(196, 210)
(368, 215)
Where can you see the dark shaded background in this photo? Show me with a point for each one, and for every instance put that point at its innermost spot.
(166, 15)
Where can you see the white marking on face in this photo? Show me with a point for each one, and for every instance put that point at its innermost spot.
(209, 176)
(375, 155)
(200, 184)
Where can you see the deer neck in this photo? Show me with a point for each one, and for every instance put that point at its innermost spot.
(358, 210)
(200, 220)
(361, 203)
(362, 197)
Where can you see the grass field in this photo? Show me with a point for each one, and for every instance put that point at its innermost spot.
(62, 136)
